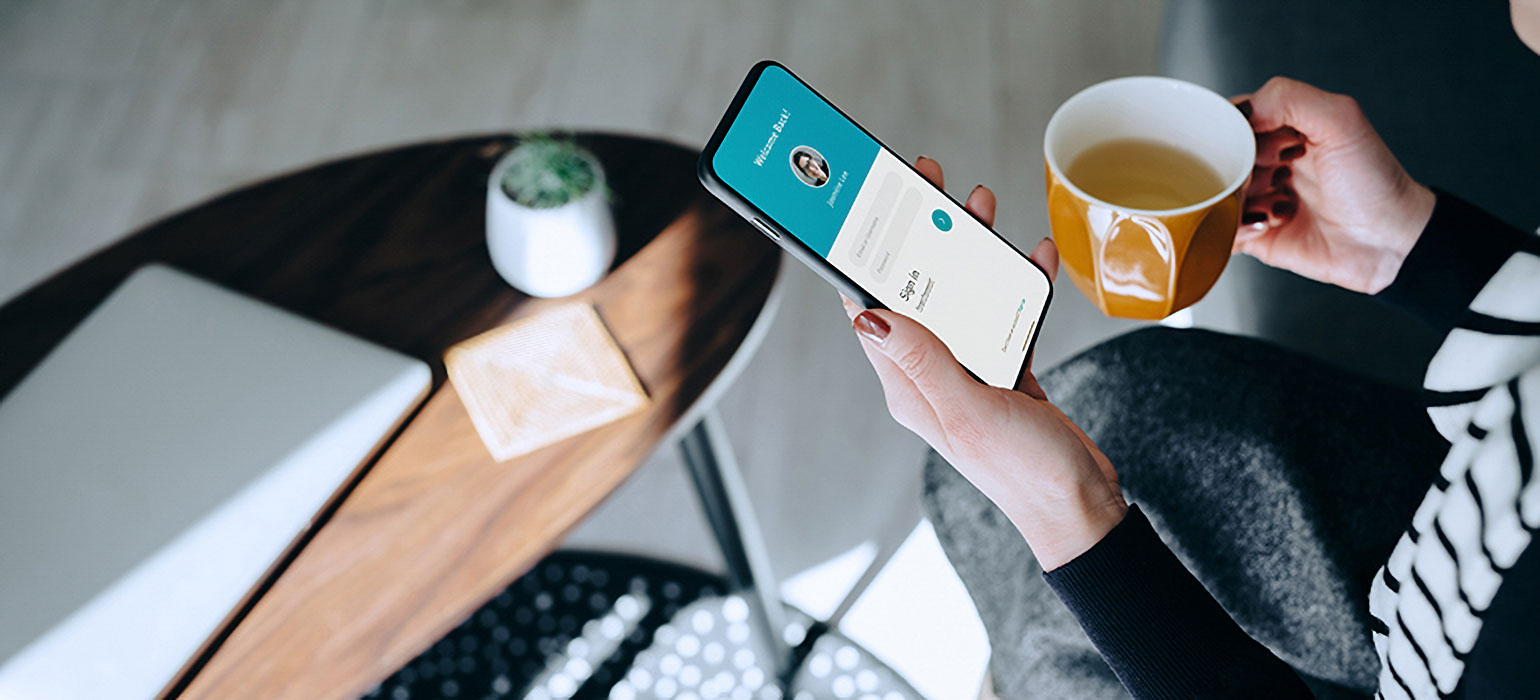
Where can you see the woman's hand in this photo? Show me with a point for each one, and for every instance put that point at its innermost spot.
(1022, 452)
(1327, 199)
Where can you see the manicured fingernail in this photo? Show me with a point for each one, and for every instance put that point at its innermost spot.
(872, 326)
(1284, 208)
(1281, 174)
(1291, 152)
(1253, 217)
(1245, 107)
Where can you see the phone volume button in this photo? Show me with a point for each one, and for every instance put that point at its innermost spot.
(766, 228)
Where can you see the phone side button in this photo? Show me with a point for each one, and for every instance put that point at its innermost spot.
(766, 228)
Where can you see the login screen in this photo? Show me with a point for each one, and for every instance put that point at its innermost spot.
(823, 180)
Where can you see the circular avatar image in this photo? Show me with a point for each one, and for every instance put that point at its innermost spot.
(809, 166)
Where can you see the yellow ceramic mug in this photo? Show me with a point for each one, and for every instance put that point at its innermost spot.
(1137, 263)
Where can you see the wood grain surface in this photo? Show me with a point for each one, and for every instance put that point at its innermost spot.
(390, 247)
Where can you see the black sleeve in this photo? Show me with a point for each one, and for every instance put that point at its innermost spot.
(1160, 631)
(1458, 252)
(1502, 663)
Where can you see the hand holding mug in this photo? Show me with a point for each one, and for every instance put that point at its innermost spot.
(1327, 199)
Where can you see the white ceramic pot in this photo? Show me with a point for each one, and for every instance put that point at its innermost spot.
(549, 252)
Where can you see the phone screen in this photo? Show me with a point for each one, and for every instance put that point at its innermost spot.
(852, 201)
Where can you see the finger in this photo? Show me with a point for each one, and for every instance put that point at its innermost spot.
(1279, 146)
(1278, 206)
(931, 170)
(924, 359)
(1243, 103)
(1320, 115)
(905, 402)
(981, 201)
(1260, 240)
(1046, 255)
(1100, 458)
(1265, 179)
(1248, 234)
(1028, 385)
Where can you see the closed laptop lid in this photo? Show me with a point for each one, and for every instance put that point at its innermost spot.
(157, 463)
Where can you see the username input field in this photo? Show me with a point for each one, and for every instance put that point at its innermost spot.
(887, 194)
(885, 226)
(898, 226)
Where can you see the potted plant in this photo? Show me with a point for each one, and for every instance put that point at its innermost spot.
(549, 228)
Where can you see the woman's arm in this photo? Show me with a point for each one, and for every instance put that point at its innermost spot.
(1476, 279)
(1156, 625)
(1158, 628)
(1466, 617)
(1457, 254)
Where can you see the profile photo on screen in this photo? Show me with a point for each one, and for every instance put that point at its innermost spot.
(809, 166)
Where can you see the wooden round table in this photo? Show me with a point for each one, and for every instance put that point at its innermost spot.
(390, 247)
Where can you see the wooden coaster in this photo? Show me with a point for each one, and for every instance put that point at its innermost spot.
(544, 378)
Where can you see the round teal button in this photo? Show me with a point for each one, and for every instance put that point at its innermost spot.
(941, 220)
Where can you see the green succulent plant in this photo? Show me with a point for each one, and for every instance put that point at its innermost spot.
(547, 172)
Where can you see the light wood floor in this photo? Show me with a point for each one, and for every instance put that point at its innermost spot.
(116, 112)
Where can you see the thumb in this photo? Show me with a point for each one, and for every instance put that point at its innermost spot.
(920, 355)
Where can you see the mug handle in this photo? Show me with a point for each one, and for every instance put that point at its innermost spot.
(1142, 266)
(1136, 259)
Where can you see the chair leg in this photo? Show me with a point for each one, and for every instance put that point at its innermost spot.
(719, 484)
(900, 523)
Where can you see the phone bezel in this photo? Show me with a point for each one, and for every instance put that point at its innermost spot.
(745, 208)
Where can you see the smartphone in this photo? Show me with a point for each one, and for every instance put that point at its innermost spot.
(864, 219)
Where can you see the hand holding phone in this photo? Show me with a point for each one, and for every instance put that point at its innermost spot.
(930, 281)
(851, 209)
(1044, 473)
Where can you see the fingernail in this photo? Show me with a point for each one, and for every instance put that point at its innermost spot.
(1291, 152)
(1045, 240)
(1284, 208)
(1281, 174)
(1245, 107)
(872, 326)
(923, 158)
(1252, 217)
(975, 190)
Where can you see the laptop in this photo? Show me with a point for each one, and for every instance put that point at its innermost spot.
(156, 465)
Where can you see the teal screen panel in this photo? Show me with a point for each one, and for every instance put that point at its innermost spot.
(782, 117)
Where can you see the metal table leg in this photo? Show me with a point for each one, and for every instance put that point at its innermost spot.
(719, 484)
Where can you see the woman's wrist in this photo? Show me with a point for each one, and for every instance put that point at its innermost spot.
(1411, 218)
(1060, 530)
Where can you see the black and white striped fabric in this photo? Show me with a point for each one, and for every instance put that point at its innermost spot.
(1429, 599)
